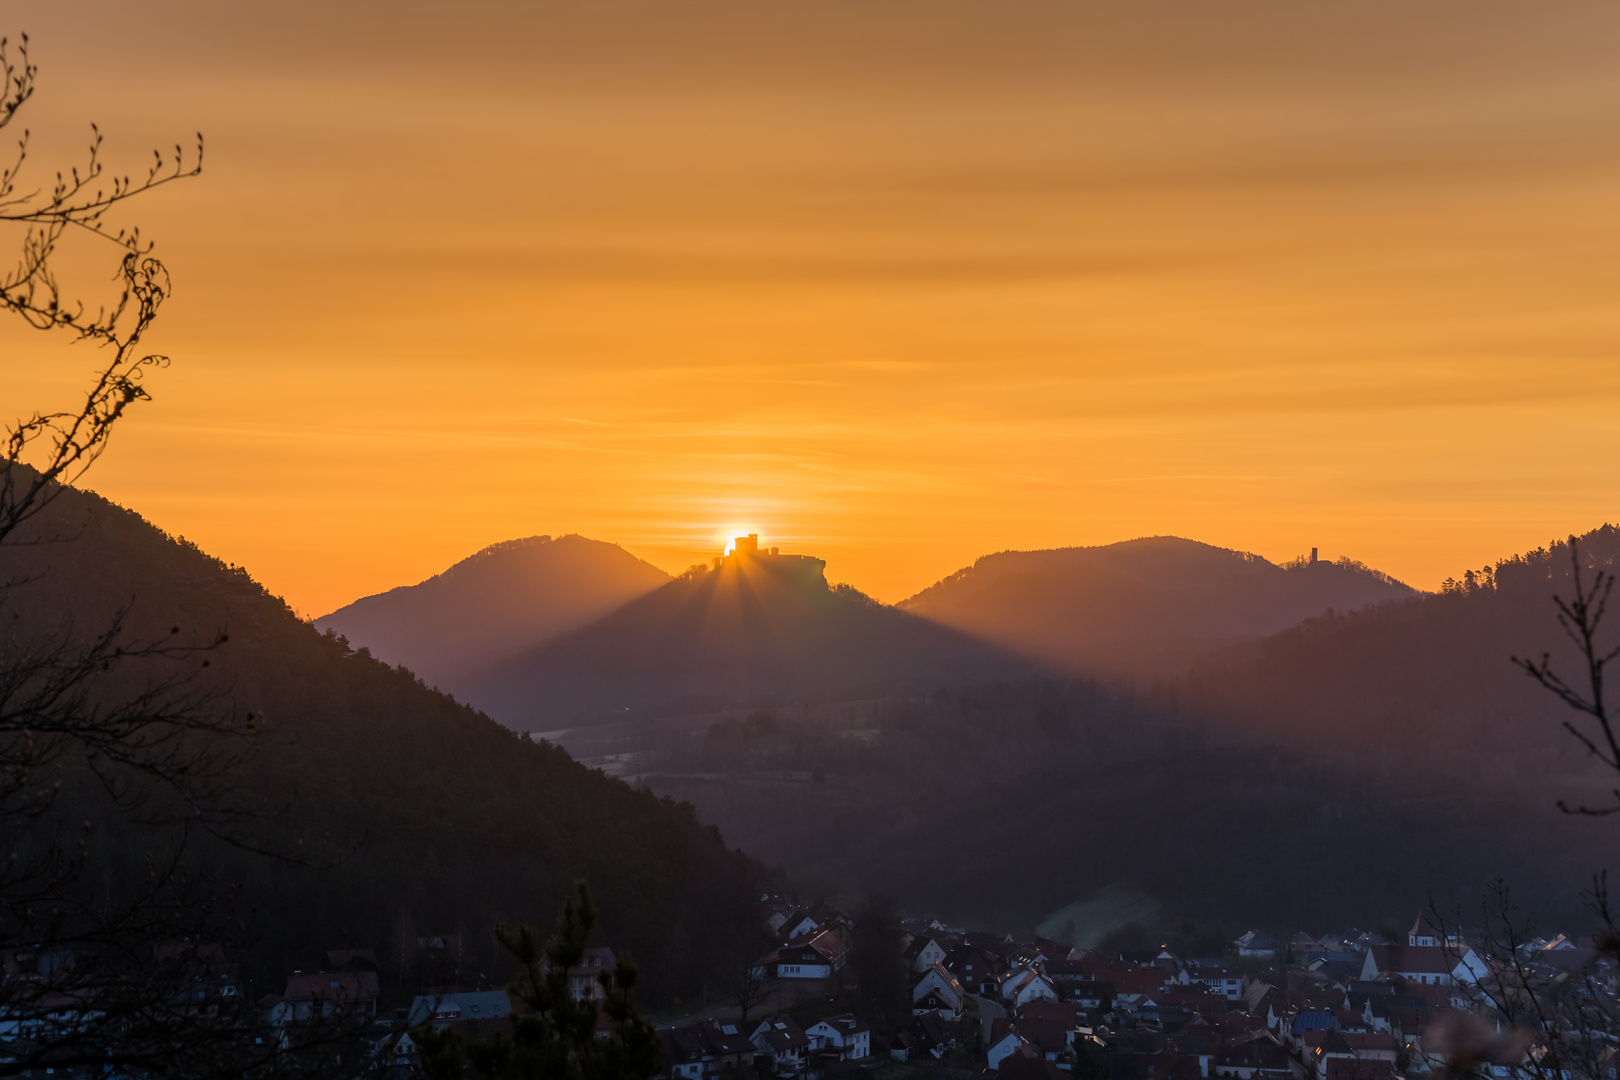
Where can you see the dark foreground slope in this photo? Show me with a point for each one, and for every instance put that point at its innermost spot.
(1142, 607)
(504, 599)
(415, 811)
(760, 630)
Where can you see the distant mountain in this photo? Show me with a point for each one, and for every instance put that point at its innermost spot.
(1335, 772)
(1142, 607)
(762, 629)
(506, 598)
(434, 815)
(1429, 679)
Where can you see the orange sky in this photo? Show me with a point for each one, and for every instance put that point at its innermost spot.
(895, 283)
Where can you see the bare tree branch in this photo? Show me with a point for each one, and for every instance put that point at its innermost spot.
(1581, 618)
(62, 445)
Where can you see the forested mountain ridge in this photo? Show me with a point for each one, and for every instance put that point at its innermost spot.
(415, 810)
(1142, 607)
(1353, 764)
(1432, 675)
(759, 630)
(500, 601)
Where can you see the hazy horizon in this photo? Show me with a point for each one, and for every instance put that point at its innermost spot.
(900, 287)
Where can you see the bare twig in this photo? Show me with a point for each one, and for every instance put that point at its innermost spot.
(1580, 618)
(64, 444)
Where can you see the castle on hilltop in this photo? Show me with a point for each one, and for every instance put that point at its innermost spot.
(747, 547)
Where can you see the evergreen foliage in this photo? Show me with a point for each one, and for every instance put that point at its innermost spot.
(879, 964)
(555, 1033)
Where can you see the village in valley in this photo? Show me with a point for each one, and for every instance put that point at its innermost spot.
(1356, 1005)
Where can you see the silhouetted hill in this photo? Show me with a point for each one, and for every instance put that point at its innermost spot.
(763, 629)
(1335, 772)
(438, 816)
(1143, 606)
(500, 601)
(1428, 679)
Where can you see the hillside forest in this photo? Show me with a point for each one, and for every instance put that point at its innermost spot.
(412, 815)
